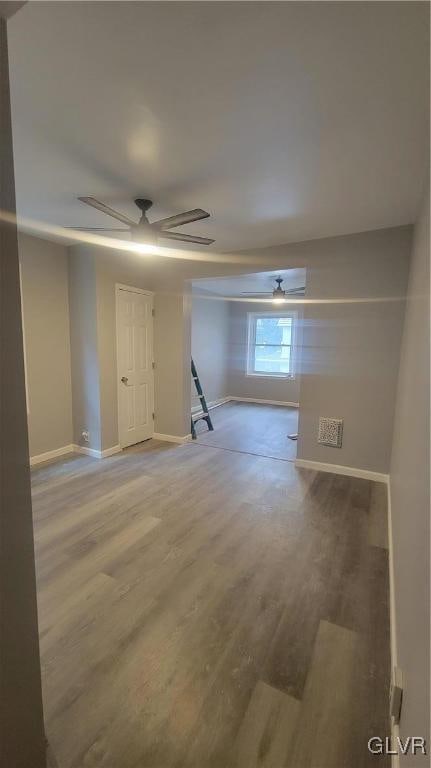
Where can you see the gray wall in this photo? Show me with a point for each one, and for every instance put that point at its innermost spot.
(350, 352)
(210, 346)
(84, 348)
(241, 385)
(172, 346)
(93, 275)
(44, 275)
(22, 738)
(410, 493)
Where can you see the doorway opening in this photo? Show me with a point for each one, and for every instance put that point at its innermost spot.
(246, 345)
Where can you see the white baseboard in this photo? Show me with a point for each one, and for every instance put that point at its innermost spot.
(172, 438)
(394, 649)
(337, 469)
(88, 451)
(234, 398)
(110, 451)
(212, 404)
(395, 731)
(51, 454)
(95, 453)
(263, 402)
(382, 478)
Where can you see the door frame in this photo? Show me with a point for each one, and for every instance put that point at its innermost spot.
(118, 288)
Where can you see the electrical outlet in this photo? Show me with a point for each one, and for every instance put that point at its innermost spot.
(85, 436)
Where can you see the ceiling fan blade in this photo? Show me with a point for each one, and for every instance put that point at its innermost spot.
(186, 238)
(106, 209)
(301, 289)
(99, 229)
(256, 293)
(181, 218)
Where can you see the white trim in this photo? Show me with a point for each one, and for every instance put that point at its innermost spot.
(74, 448)
(24, 345)
(251, 343)
(394, 649)
(211, 405)
(383, 478)
(131, 289)
(95, 453)
(337, 469)
(263, 402)
(395, 731)
(172, 438)
(88, 451)
(395, 734)
(39, 458)
(111, 451)
(235, 399)
(282, 376)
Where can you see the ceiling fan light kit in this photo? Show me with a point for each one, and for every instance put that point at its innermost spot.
(145, 231)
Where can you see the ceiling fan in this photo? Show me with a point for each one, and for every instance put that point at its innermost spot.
(278, 293)
(145, 231)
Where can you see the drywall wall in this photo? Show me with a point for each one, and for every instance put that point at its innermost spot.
(242, 385)
(172, 345)
(44, 279)
(210, 345)
(84, 348)
(350, 351)
(22, 737)
(410, 493)
(352, 327)
(93, 341)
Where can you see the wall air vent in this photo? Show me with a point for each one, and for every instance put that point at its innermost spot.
(330, 432)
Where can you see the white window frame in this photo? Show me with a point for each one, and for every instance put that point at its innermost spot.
(252, 317)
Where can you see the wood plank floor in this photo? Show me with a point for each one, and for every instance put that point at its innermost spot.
(253, 428)
(201, 608)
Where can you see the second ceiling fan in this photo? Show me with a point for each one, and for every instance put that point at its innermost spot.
(145, 231)
(278, 293)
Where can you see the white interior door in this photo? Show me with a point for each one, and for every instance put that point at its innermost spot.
(135, 365)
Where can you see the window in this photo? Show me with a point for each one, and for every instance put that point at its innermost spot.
(271, 339)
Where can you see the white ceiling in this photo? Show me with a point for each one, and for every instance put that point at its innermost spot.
(286, 121)
(255, 283)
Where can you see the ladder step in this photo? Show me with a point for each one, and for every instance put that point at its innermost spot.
(197, 416)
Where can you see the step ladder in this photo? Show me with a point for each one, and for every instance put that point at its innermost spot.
(204, 416)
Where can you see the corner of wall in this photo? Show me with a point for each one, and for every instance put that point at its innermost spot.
(85, 364)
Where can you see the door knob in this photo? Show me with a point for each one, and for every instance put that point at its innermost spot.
(124, 379)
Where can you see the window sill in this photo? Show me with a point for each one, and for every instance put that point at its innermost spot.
(283, 377)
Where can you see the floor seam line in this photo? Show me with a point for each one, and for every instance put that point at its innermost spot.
(244, 453)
